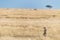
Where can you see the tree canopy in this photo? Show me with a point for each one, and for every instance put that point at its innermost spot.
(48, 6)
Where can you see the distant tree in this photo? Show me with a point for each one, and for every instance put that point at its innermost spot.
(49, 6)
(35, 9)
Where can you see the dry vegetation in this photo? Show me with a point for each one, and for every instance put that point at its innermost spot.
(27, 24)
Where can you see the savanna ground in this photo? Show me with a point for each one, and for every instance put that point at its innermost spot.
(29, 24)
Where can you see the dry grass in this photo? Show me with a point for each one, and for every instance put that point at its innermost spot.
(27, 24)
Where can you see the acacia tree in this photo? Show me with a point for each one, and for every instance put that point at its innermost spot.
(49, 6)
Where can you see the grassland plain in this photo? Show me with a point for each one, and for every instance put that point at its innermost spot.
(28, 24)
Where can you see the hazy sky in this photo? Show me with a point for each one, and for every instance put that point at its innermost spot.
(29, 3)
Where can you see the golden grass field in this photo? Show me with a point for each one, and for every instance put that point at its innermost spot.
(29, 24)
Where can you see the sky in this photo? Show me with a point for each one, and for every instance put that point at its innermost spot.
(29, 4)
